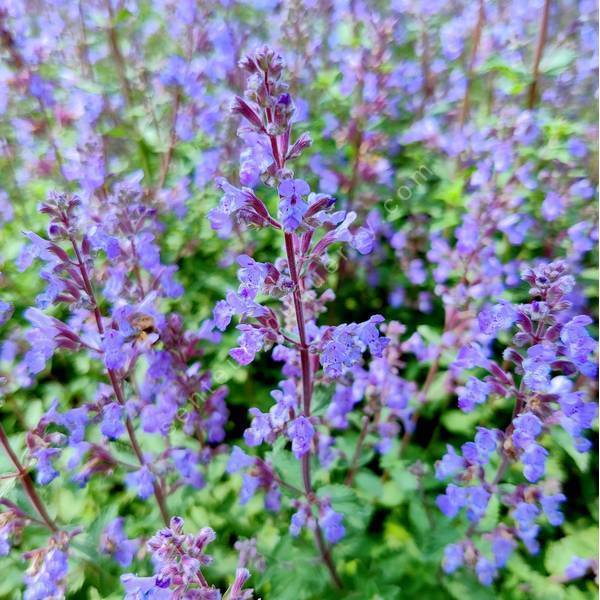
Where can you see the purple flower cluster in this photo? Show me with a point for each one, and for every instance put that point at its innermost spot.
(178, 561)
(115, 543)
(510, 183)
(136, 331)
(46, 576)
(299, 342)
(541, 385)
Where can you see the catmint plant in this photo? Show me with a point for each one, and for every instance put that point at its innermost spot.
(173, 391)
(312, 354)
(409, 202)
(549, 351)
(48, 565)
(178, 559)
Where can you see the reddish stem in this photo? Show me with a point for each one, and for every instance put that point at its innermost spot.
(476, 40)
(306, 400)
(114, 380)
(357, 451)
(166, 163)
(27, 482)
(539, 52)
(117, 55)
(304, 355)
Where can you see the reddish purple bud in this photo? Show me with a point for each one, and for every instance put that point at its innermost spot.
(68, 344)
(323, 202)
(301, 144)
(59, 252)
(525, 322)
(513, 355)
(241, 107)
(565, 366)
(499, 374)
(553, 333)
(85, 245)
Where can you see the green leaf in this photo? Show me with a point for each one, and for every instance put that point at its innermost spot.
(459, 422)
(564, 441)
(437, 391)
(286, 464)
(581, 543)
(309, 578)
(557, 60)
(392, 494)
(467, 587)
(344, 499)
(418, 515)
(522, 576)
(369, 485)
(492, 515)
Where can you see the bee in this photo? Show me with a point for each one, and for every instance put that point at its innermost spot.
(145, 328)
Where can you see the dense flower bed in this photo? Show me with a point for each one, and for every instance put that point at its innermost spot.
(313, 283)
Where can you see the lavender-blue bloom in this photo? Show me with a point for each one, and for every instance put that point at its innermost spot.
(249, 486)
(537, 367)
(260, 428)
(301, 432)
(141, 481)
(332, 523)
(291, 206)
(239, 460)
(347, 344)
(477, 502)
(46, 472)
(6, 310)
(186, 462)
(496, 318)
(250, 342)
(503, 546)
(454, 557)
(453, 500)
(474, 392)
(46, 577)
(486, 571)
(112, 425)
(527, 427)
(578, 567)
(534, 462)
(450, 464)
(298, 521)
(143, 587)
(114, 541)
(115, 356)
(579, 344)
(524, 516)
(551, 507)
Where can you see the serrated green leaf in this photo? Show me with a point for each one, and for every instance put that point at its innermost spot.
(558, 554)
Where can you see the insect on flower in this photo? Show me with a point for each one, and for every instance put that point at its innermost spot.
(145, 330)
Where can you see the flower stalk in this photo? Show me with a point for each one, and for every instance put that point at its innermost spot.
(115, 383)
(27, 483)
